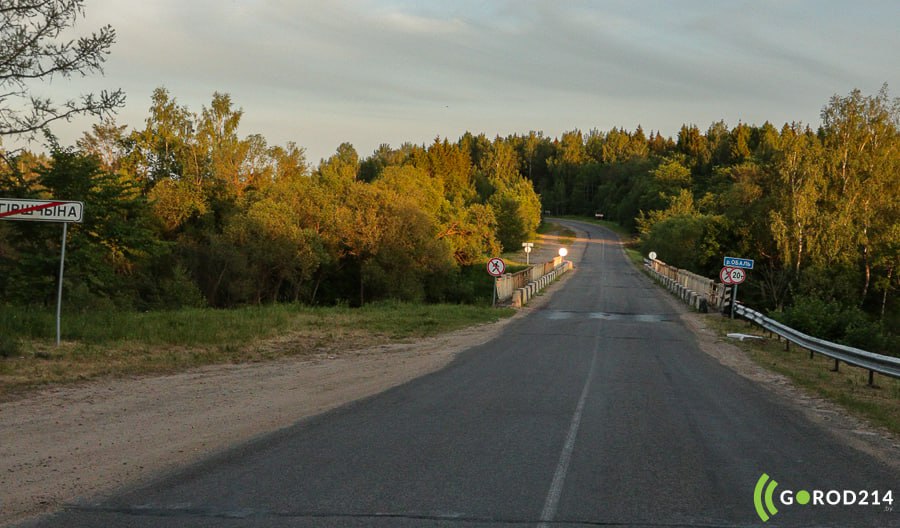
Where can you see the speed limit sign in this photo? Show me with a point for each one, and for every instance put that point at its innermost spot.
(731, 275)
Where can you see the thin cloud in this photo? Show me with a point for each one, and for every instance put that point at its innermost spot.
(371, 72)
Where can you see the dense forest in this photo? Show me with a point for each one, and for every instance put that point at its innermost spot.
(184, 212)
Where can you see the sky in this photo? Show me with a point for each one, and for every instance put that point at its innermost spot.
(320, 73)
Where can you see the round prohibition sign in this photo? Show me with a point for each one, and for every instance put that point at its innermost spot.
(738, 275)
(725, 275)
(496, 267)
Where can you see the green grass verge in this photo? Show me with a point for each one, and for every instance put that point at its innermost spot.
(848, 387)
(629, 242)
(558, 234)
(623, 233)
(101, 344)
(548, 233)
(634, 256)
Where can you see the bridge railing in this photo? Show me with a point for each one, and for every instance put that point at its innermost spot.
(517, 288)
(697, 290)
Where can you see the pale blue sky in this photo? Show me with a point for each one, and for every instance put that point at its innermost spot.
(321, 73)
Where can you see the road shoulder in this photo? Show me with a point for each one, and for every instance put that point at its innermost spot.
(829, 416)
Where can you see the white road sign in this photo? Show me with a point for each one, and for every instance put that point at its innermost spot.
(41, 210)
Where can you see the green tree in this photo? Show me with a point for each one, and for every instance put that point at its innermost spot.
(794, 218)
(860, 135)
(106, 253)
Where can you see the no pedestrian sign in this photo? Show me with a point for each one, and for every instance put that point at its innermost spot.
(496, 267)
(41, 210)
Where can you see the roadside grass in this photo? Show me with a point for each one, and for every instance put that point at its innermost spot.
(556, 234)
(121, 343)
(629, 242)
(848, 387)
(634, 256)
(623, 233)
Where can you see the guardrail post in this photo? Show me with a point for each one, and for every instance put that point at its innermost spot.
(787, 344)
(871, 378)
(836, 363)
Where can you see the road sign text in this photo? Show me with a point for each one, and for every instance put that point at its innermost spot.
(41, 210)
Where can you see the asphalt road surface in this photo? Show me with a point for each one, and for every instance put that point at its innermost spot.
(598, 409)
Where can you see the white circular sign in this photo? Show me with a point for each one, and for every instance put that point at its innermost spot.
(496, 266)
(563, 252)
(738, 275)
(527, 249)
(652, 255)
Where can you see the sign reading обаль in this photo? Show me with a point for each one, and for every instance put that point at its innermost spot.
(734, 262)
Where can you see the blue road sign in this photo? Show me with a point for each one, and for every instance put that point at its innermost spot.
(735, 262)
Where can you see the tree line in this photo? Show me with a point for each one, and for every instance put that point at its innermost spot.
(817, 208)
(185, 212)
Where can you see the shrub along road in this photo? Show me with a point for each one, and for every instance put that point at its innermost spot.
(598, 408)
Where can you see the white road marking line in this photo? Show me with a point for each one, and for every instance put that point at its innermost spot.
(562, 467)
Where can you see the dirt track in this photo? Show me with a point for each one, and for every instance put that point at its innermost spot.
(68, 442)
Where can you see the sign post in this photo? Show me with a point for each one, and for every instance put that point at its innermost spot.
(495, 268)
(733, 273)
(62, 267)
(64, 212)
(528, 247)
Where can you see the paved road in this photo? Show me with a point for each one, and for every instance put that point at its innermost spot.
(596, 410)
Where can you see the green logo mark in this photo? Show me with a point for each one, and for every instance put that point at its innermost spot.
(764, 491)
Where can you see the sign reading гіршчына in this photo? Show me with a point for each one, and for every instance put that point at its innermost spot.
(41, 210)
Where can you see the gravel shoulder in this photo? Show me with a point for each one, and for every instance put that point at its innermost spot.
(68, 442)
(876, 441)
(65, 443)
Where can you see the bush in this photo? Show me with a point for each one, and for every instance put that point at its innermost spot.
(9, 346)
(833, 321)
(180, 291)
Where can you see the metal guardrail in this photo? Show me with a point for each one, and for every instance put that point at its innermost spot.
(886, 365)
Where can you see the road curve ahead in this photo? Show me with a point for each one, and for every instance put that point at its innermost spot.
(597, 409)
